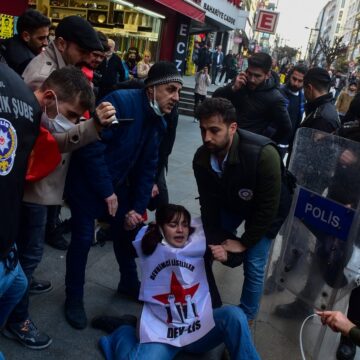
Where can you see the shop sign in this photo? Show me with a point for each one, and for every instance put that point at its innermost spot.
(181, 41)
(266, 21)
(6, 26)
(225, 12)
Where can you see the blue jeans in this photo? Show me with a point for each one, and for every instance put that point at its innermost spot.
(13, 284)
(255, 261)
(82, 236)
(230, 328)
(30, 245)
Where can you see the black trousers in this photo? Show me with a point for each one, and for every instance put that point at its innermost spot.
(354, 306)
(198, 99)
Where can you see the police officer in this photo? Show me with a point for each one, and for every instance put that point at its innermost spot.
(19, 125)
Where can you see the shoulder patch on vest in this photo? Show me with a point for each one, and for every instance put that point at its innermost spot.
(8, 145)
(246, 194)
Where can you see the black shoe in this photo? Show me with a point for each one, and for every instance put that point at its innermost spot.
(75, 314)
(346, 349)
(111, 323)
(39, 286)
(27, 333)
(129, 291)
(64, 226)
(56, 239)
(295, 310)
(103, 235)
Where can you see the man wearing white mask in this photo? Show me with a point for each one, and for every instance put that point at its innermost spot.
(64, 97)
(118, 170)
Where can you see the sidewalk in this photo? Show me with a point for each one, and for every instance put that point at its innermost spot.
(102, 279)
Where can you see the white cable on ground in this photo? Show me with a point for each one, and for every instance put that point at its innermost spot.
(300, 335)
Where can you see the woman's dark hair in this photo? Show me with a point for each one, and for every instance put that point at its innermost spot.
(164, 215)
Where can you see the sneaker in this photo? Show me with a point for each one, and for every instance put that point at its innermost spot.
(111, 323)
(75, 314)
(27, 333)
(39, 286)
(295, 310)
(346, 349)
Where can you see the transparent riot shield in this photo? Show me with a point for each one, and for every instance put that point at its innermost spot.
(315, 260)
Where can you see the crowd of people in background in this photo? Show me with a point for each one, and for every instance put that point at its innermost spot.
(99, 129)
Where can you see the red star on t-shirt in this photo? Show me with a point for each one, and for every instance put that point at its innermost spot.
(178, 291)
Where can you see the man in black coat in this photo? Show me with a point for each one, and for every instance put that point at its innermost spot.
(321, 113)
(111, 71)
(258, 101)
(31, 38)
(18, 132)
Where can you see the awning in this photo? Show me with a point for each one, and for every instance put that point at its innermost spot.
(184, 7)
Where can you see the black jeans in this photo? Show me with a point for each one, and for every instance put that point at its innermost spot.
(198, 99)
(30, 249)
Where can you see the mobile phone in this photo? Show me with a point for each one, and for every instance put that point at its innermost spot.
(123, 121)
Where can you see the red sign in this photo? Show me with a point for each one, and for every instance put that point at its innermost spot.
(266, 21)
(236, 3)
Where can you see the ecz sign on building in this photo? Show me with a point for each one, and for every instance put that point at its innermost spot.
(266, 21)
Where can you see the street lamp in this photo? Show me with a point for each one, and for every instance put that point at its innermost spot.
(308, 48)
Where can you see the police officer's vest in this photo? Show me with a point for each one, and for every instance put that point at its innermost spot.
(19, 126)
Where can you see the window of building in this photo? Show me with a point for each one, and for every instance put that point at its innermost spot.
(340, 15)
(343, 3)
(337, 27)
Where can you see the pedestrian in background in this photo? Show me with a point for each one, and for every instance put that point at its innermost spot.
(202, 82)
(344, 100)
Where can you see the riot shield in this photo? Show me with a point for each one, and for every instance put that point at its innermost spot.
(315, 261)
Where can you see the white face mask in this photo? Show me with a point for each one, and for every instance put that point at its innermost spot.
(155, 105)
(59, 124)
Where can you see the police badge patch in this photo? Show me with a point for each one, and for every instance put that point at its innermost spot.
(245, 194)
(8, 145)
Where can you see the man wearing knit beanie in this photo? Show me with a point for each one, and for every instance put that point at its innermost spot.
(116, 181)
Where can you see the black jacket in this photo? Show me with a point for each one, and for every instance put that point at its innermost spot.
(258, 109)
(321, 114)
(111, 72)
(19, 126)
(17, 54)
(353, 110)
(250, 187)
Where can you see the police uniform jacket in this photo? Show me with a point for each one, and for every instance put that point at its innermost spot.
(41, 66)
(19, 126)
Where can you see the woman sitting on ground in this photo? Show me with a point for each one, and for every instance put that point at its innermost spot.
(177, 313)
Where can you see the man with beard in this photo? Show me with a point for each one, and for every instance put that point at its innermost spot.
(30, 40)
(294, 96)
(131, 59)
(238, 175)
(258, 101)
(113, 179)
(75, 41)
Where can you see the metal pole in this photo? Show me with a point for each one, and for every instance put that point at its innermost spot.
(356, 39)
